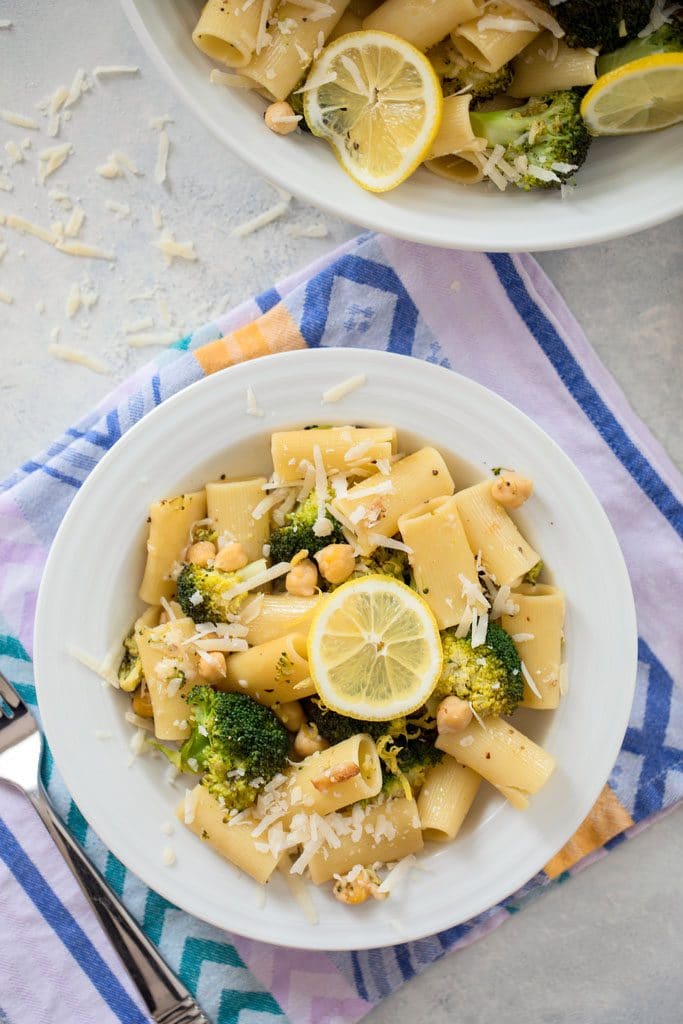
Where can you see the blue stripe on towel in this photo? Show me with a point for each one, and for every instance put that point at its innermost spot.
(67, 929)
(584, 394)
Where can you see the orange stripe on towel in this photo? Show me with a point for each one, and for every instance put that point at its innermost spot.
(606, 820)
(275, 331)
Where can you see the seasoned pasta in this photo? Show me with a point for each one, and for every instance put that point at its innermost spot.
(343, 70)
(332, 734)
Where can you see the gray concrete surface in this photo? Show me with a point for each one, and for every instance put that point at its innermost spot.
(605, 948)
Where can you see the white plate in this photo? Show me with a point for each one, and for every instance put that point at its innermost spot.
(88, 599)
(626, 184)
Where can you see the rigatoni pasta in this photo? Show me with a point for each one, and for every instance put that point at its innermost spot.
(422, 22)
(331, 653)
(227, 30)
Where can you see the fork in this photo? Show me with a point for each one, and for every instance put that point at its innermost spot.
(166, 998)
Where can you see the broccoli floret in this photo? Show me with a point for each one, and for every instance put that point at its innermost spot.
(534, 572)
(130, 673)
(457, 74)
(488, 676)
(546, 130)
(200, 591)
(667, 39)
(602, 25)
(298, 533)
(413, 762)
(231, 733)
(336, 728)
(385, 562)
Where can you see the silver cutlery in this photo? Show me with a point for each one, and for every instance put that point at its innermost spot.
(166, 998)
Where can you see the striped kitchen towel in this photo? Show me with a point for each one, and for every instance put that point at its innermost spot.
(494, 318)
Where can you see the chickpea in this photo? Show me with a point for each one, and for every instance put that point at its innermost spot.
(302, 579)
(212, 666)
(291, 715)
(231, 557)
(142, 705)
(280, 118)
(453, 715)
(201, 552)
(511, 490)
(336, 562)
(309, 741)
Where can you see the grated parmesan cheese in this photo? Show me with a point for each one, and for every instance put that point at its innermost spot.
(190, 805)
(168, 856)
(72, 355)
(491, 22)
(231, 81)
(6, 297)
(19, 120)
(172, 249)
(537, 15)
(81, 249)
(75, 222)
(161, 166)
(13, 151)
(145, 340)
(253, 408)
(307, 230)
(112, 70)
(340, 391)
(5, 183)
(73, 301)
(260, 221)
(532, 685)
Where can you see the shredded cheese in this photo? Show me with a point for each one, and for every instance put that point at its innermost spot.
(145, 340)
(260, 221)
(19, 120)
(92, 252)
(253, 408)
(340, 391)
(6, 297)
(72, 355)
(112, 70)
(529, 679)
(161, 166)
(175, 250)
(75, 222)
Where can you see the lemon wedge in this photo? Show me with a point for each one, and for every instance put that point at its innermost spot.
(374, 650)
(641, 96)
(378, 102)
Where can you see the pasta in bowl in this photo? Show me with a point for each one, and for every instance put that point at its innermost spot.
(618, 190)
(260, 692)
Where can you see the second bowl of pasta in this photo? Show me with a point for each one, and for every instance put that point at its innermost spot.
(338, 653)
(266, 73)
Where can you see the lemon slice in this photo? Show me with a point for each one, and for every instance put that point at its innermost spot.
(378, 102)
(641, 96)
(374, 650)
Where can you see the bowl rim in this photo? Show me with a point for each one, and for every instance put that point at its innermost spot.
(97, 817)
(581, 234)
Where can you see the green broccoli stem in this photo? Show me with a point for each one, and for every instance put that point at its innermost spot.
(667, 39)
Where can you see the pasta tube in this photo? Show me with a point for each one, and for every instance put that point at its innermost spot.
(440, 555)
(490, 48)
(422, 22)
(336, 777)
(227, 31)
(489, 529)
(445, 798)
(170, 521)
(536, 630)
(463, 168)
(389, 832)
(455, 132)
(341, 448)
(170, 673)
(549, 65)
(374, 506)
(506, 758)
(230, 504)
(279, 66)
(204, 816)
(272, 673)
(280, 614)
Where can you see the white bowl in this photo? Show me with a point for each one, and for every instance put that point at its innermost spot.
(626, 184)
(97, 558)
